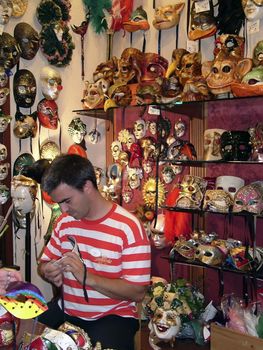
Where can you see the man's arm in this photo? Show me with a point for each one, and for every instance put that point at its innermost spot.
(52, 272)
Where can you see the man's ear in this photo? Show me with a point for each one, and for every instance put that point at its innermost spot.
(88, 186)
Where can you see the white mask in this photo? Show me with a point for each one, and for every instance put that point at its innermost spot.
(229, 184)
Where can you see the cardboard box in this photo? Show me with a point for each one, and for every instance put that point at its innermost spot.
(226, 339)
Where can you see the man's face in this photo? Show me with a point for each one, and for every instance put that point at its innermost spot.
(71, 201)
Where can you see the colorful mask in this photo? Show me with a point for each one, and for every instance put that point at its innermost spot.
(3, 77)
(136, 154)
(25, 125)
(235, 145)
(166, 17)
(114, 172)
(212, 139)
(106, 70)
(94, 94)
(139, 129)
(4, 194)
(3, 152)
(6, 8)
(79, 336)
(28, 40)
(23, 193)
(77, 130)
(134, 177)
(157, 232)
(179, 128)
(77, 149)
(4, 121)
(22, 162)
(4, 171)
(24, 88)
(249, 198)
(116, 149)
(127, 194)
(59, 339)
(4, 92)
(47, 113)
(8, 323)
(203, 24)
(230, 184)
(149, 193)
(251, 84)
(50, 83)
(148, 146)
(154, 66)
(129, 66)
(190, 67)
(191, 193)
(217, 201)
(137, 21)
(19, 7)
(186, 248)
(119, 95)
(253, 9)
(9, 51)
(167, 174)
(229, 45)
(196, 89)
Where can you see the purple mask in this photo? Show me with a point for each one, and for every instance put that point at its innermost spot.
(249, 198)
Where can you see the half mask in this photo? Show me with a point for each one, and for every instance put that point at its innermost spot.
(209, 255)
(47, 112)
(249, 198)
(25, 88)
(28, 40)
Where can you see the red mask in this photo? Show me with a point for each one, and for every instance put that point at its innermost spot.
(154, 66)
(47, 112)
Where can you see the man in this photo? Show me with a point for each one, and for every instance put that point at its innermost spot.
(8, 275)
(98, 253)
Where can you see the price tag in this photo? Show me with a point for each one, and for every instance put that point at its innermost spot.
(202, 6)
(253, 27)
(153, 110)
(192, 46)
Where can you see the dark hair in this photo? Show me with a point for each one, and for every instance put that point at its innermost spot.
(70, 169)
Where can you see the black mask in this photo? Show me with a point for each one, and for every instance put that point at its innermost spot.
(10, 51)
(28, 40)
(24, 88)
(235, 145)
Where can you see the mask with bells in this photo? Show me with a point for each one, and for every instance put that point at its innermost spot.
(6, 8)
(8, 325)
(47, 112)
(249, 198)
(209, 255)
(4, 171)
(235, 145)
(10, 51)
(230, 184)
(154, 66)
(3, 77)
(3, 152)
(24, 88)
(4, 121)
(77, 130)
(28, 40)
(4, 194)
(25, 125)
(50, 83)
(217, 201)
(4, 92)
(23, 193)
(157, 232)
(212, 139)
(166, 17)
(253, 9)
(191, 193)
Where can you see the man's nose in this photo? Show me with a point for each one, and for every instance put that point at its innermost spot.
(63, 207)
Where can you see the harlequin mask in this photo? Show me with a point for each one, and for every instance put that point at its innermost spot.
(3, 152)
(229, 45)
(50, 83)
(149, 193)
(24, 88)
(166, 324)
(154, 66)
(209, 255)
(139, 129)
(157, 232)
(94, 93)
(127, 194)
(235, 145)
(137, 21)
(77, 130)
(230, 184)
(19, 7)
(7, 322)
(167, 174)
(166, 17)
(47, 113)
(212, 139)
(23, 193)
(28, 39)
(203, 23)
(25, 125)
(22, 162)
(116, 149)
(217, 201)
(6, 7)
(4, 92)
(253, 9)
(249, 198)
(4, 121)
(3, 77)
(4, 194)
(9, 51)
(134, 177)
(49, 150)
(4, 171)
(191, 193)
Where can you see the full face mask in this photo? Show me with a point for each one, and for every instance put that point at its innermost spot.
(6, 8)
(25, 125)
(157, 231)
(4, 171)
(4, 194)
(50, 83)
(129, 66)
(19, 7)
(49, 150)
(94, 93)
(249, 198)
(139, 129)
(154, 66)
(77, 130)
(235, 145)
(212, 139)
(23, 193)
(28, 40)
(217, 201)
(253, 9)
(134, 177)
(4, 121)
(47, 113)
(116, 149)
(230, 184)
(191, 193)
(127, 194)
(25, 88)
(3, 77)
(10, 51)
(4, 92)
(3, 152)
(256, 139)
(166, 17)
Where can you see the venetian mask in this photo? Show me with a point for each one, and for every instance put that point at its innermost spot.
(28, 40)
(190, 67)
(166, 17)
(3, 77)
(99, 174)
(25, 125)
(217, 201)
(129, 66)
(4, 121)
(4, 92)
(148, 146)
(3, 152)
(253, 9)
(212, 139)
(191, 193)
(163, 127)
(22, 162)
(47, 112)
(249, 198)
(149, 193)
(120, 95)
(127, 194)
(134, 177)
(185, 248)
(4, 194)
(230, 184)
(256, 139)
(167, 174)
(50, 83)
(258, 54)
(235, 145)
(77, 130)
(24, 88)
(157, 232)
(106, 70)
(147, 166)
(116, 149)
(165, 324)
(130, 140)
(9, 51)
(179, 128)
(203, 23)
(49, 150)
(114, 172)
(136, 154)
(79, 336)
(229, 45)
(8, 325)
(139, 129)
(152, 127)
(137, 21)
(154, 66)
(23, 193)
(94, 93)
(209, 255)
(4, 171)
(6, 8)
(19, 7)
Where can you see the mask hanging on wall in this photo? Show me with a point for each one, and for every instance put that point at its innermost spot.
(4, 121)
(19, 7)
(50, 83)
(24, 88)
(10, 51)
(77, 130)
(25, 125)
(28, 40)
(47, 112)
(6, 8)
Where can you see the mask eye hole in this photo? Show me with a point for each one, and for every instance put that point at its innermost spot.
(226, 69)
(231, 189)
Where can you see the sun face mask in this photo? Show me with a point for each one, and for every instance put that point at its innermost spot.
(166, 17)
(47, 113)
(249, 198)
(24, 87)
(28, 40)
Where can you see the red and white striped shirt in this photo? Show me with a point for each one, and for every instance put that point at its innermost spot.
(115, 246)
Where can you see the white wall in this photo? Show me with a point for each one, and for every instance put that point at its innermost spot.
(70, 96)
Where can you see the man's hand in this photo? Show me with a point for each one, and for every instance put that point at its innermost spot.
(71, 262)
(52, 272)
